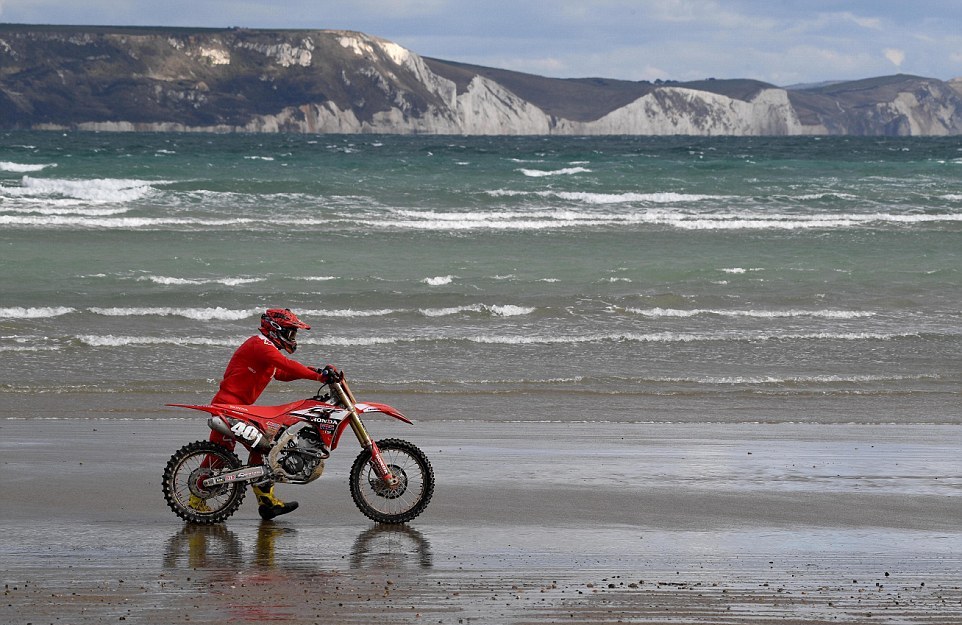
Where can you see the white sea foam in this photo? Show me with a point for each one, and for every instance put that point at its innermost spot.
(486, 220)
(64, 207)
(761, 314)
(622, 198)
(510, 310)
(662, 337)
(24, 167)
(500, 311)
(794, 380)
(685, 219)
(122, 223)
(200, 314)
(359, 342)
(227, 314)
(750, 221)
(172, 281)
(30, 348)
(438, 280)
(825, 195)
(666, 197)
(567, 171)
(454, 310)
(683, 337)
(102, 190)
(109, 340)
(346, 313)
(43, 312)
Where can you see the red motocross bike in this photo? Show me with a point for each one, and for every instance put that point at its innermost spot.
(391, 480)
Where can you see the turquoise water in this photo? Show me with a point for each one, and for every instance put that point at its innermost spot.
(677, 279)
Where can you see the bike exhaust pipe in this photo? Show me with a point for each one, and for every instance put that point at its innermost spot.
(219, 425)
(247, 433)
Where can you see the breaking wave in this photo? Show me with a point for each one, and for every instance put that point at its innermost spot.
(567, 171)
(123, 223)
(109, 340)
(667, 197)
(169, 281)
(23, 167)
(761, 314)
(43, 312)
(499, 311)
(199, 314)
(438, 280)
(100, 190)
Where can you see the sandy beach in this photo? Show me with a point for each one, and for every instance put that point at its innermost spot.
(531, 523)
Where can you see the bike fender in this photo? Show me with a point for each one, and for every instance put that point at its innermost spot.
(212, 409)
(217, 409)
(365, 407)
(336, 436)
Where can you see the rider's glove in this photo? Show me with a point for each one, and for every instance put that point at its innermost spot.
(329, 374)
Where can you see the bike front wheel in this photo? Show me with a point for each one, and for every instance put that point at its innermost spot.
(183, 483)
(393, 504)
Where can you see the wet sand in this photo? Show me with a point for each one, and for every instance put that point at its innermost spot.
(530, 523)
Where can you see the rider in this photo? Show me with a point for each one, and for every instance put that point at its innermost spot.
(251, 368)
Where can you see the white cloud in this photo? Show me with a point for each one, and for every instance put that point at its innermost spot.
(547, 66)
(872, 23)
(895, 56)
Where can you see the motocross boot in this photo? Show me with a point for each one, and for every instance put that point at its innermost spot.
(198, 504)
(270, 506)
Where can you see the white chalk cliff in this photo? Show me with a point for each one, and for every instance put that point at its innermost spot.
(235, 80)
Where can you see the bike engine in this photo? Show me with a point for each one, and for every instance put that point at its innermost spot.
(298, 456)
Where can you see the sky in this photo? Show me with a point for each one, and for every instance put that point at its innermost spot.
(779, 42)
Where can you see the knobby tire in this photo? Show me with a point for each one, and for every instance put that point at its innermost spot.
(228, 498)
(393, 508)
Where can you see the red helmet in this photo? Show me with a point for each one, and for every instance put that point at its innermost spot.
(280, 325)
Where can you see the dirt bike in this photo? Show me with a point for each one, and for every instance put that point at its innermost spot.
(391, 480)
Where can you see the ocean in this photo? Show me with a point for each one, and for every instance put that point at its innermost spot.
(495, 279)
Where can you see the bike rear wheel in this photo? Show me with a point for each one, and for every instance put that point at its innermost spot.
(183, 488)
(382, 503)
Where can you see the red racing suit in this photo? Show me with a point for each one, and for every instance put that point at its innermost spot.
(255, 363)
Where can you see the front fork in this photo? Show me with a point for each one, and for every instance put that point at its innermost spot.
(377, 461)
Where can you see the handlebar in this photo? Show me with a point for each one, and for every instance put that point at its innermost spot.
(340, 380)
(331, 374)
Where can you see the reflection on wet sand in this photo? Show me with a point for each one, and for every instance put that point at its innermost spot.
(265, 548)
(203, 547)
(384, 547)
(391, 547)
